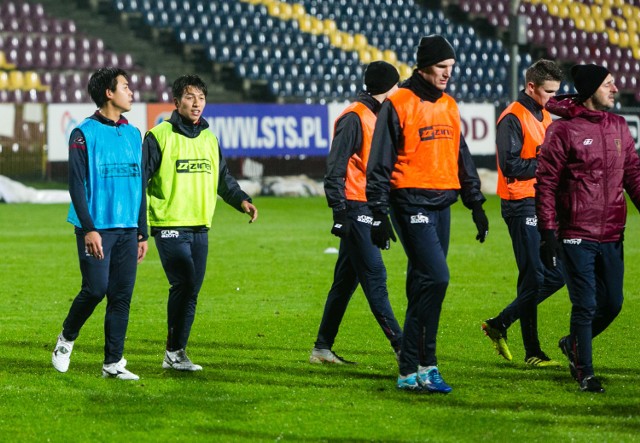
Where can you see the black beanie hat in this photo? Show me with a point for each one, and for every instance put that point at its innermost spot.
(587, 79)
(379, 77)
(433, 49)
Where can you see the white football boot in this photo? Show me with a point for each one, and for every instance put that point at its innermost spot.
(118, 371)
(62, 354)
(179, 361)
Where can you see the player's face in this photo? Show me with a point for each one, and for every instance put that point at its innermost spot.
(542, 93)
(191, 104)
(439, 74)
(605, 96)
(122, 97)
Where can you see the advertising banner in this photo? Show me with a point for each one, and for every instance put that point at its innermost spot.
(63, 118)
(157, 113)
(266, 130)
(7, 122)
(260, 130)
(479, 127)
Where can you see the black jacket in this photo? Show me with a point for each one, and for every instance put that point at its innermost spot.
(509, 141)
(347, 140)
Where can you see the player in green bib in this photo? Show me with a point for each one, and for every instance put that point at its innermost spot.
(185, 172)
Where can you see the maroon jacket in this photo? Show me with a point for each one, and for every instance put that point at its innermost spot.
(586, 161)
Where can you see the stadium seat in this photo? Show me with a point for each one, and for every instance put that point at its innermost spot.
(4, 63)
(16, 96)
(314, 33)
(32, 41)
(4, 81)
(8, 9)
(16, 80)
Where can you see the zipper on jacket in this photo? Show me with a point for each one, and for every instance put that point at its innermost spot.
(605, 187)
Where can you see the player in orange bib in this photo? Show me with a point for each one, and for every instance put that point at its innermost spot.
(359, 261)
(520, 132)
(418, 166)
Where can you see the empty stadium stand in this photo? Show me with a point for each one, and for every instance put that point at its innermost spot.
(604, 32)
(316, 51)
(45, 59)
(312, 50)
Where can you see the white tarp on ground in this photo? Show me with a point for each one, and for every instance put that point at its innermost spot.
(292, 186)
(298, 186)
(14, 192)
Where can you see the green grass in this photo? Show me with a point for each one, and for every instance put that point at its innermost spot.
(258, 314)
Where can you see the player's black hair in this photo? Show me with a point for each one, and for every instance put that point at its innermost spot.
(182, 82)
(101, 80)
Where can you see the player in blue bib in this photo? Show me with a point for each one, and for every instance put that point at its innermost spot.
(108, 211)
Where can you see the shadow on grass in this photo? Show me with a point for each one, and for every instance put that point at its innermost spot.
(231, 356)
(220, 358)
(222, 432)
(235, 375)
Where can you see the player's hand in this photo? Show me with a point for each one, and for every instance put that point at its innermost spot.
(549, 248)
(248, 208)
(341, 224)
(93, 244)
(381, 230)
(143, 247)
(481, 221)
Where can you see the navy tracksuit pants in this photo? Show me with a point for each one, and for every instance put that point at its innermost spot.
(535, 282)
(183, 253)
(424, 235)
(359, 262)
(594, 274)
(113, 277)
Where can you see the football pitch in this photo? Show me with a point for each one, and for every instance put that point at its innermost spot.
(258, 314)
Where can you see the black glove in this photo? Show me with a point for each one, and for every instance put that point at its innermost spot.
(381, 230)
(549, 248)
(341, 224)
(481, 221)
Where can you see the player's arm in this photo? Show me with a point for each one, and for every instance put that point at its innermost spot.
(143, 230)
(151, 157)
(78, 173)
(231, 193)
(470, 192)
(346, 139)
(468, 176)
(509, 142)
(383, 156)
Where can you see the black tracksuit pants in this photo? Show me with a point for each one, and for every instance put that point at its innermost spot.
(535, 282)
(424, 234)
(183, 253)
(359, 262)
(594, 274)
(113, 277)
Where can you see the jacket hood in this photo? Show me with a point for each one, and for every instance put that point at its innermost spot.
(569, 106)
